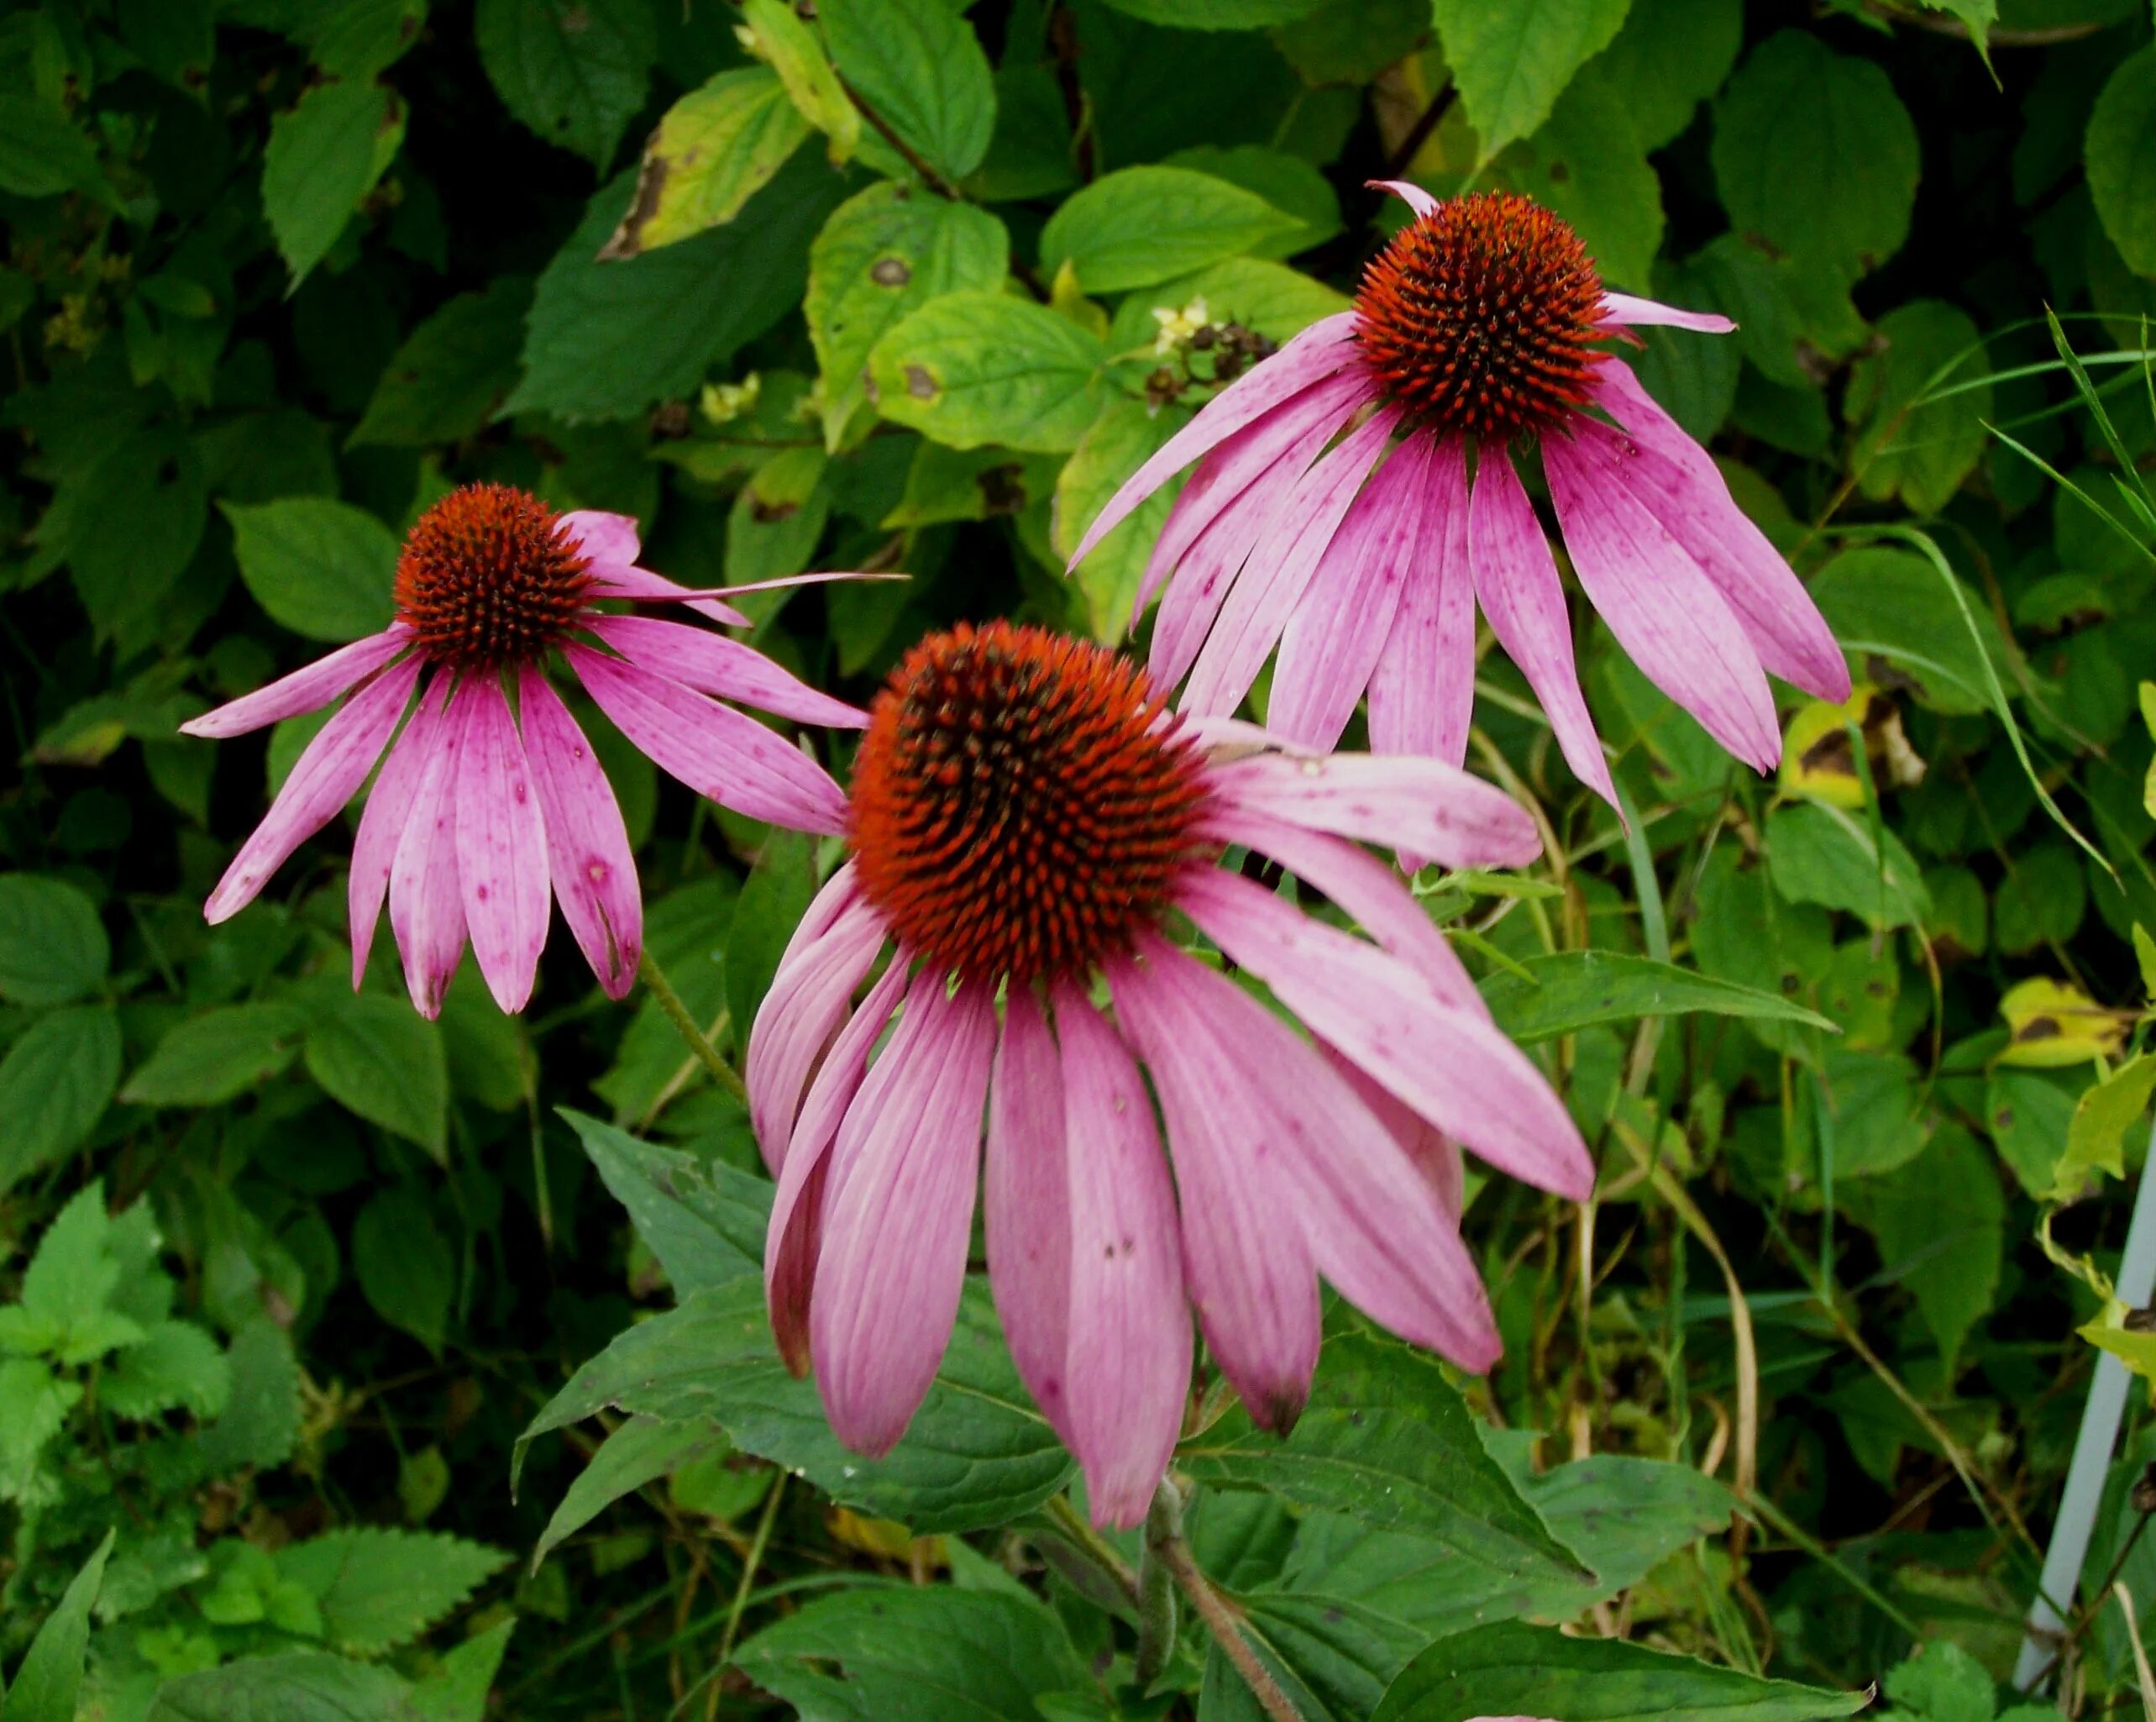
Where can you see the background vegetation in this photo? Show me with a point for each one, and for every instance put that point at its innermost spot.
(294, 1272)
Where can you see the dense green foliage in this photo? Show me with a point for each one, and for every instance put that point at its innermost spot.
(296, 1277)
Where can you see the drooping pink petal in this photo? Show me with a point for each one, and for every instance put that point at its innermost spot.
(718, 752)
(1516, 580)
(326, 777)
(1451, 1066)
(387, 811)
(1682, 488)
(1399, 800)
(814, 577)
(641, 586)
(1625, 309)
(1027, 1197)
(608, 541)
(588, 854)
(306, 690)
(1422, 688)
(501, 847)
(898, 1216)
(1246, 1258)
(1338, 627)
(426, 899)
(1411, 194)
(1663, 610)
(1372, 893)
(1312, 355)
(806, 1004)
(713, 664)
(1224, 478)
(1130, 1326)
(792, 1241)
(1433, 1154)
(1257, 609)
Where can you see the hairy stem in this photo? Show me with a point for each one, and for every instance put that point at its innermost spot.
(699, 1043)
(1172, 1553)
(1156, 1586)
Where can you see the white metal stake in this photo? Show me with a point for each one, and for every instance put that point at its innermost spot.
(2092, 1448)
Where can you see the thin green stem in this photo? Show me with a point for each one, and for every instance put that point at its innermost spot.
(1096, 1548)
(699, 1043)
(1156, 1586)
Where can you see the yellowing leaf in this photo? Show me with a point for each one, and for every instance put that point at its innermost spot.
(2133, 1346)
(2055, 1024)
(2096, 1139)
(793, 51)
(716, 148)
(884, 1537)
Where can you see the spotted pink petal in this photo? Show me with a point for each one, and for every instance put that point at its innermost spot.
(501, 847)
(1623, 308)
(1027, 1206)
(327, 775)
(382, 824)
(426, 899)
(714, 664)
(588, 854)
(1397, 800)
(1422, 688)
(306, 690)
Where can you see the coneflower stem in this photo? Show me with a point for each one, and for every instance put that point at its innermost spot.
(1171, 1552)
(699, 1043)
(1156, 1586)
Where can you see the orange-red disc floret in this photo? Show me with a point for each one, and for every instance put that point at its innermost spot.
(1477, 318)
(489, 576)
(1021, 807)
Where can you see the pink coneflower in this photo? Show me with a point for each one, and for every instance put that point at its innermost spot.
(480, 808)
(1026, 820)
(1333, 513)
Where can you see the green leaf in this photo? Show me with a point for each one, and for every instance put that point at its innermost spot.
(261, 1422)
(1815, 154)
(1820, 854)
(321, 568)
(1386, 1439)
(605, 340)
(51, 1673)
(306, 1686)
(1587, 164)
(216, 1056)
(455, 1689)
(917, 66)
(1669, 57)
(641, 1451)
(970, 484)
(1277, 301)
(790, 47)
(53, 947)
(33, 1405)
(378, 1058)
(1118, 443)
(910, 1655)
(706, 1222)
(451, 372)
(882, 255)
(55, 1082)
(1333, 1658)
(1920, 452)
(1352, 41)
(1891, 604)
(41, 153)
(405, 1266)
(127, 524)
(2041, 900)
(1565, 991)
(1940, 1222)
(977, 1453)
(973, 368)
(1512, 1670)
(1291, 184)
(575, 72)
(1217, 14)
(175, 1365)
(2120, 153)
(361, 39)
(1147, 224)
(1942, 1683)
(381, 1588)
(323, 157)
(1512, 62)
(715, 149)
(2096, 1139)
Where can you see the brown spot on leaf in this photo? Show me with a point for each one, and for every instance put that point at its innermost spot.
(1003, 488)
(2038, 1028)
(890, 272)
(921, 384)
(1833, 753)
(628, 240)
(763, 513)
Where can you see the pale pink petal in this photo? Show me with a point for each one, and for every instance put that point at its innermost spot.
(1451, 1066)
(792, 1240)
(898, 1216)
(814, 577)
(501, 847)
(1130, 1325)
(1682, 488)
(1314, 354)
(713, 664)
(775, 1093)
(607, 541)
(1422, 688)
(1338, 627)
(326, 777)
(804, 1007)
(382, 823)
(1410, 193)
(1245, 1259)
(1257, 609)
(1399, 800)
(1663, 610)
(1433, 1154)
(641, 586)
(1224, 478)
(718, 752)
(306, 690)
(1372, 893)
(588, 854)
(1516, 580)
(1027, 1206)
(1623, 308)
(426, 901)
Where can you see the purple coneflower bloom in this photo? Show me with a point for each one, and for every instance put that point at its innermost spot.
(1333, 511)
(479, 808)
(1025, 819)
